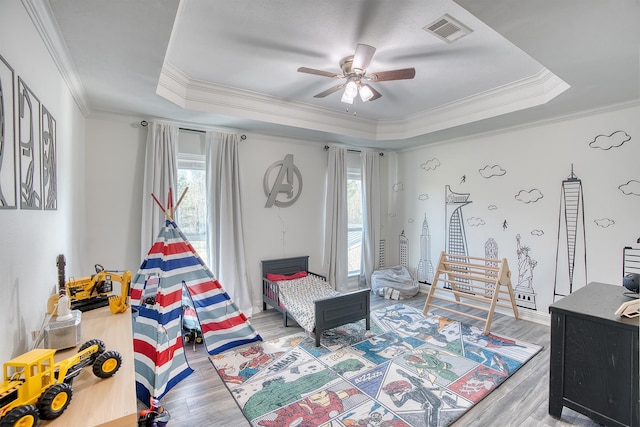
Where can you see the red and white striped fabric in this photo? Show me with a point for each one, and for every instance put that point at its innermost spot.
(156, 296)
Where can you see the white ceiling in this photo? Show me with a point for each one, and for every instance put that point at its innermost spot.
(233, 63)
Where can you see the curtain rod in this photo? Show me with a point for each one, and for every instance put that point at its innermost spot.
(145, 123)
(193, 130)
(353, 150)
(242, 137)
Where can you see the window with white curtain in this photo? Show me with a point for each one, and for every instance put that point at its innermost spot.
(354, 212)
(191, 215)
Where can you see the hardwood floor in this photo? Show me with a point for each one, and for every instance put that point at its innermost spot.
(203, 400)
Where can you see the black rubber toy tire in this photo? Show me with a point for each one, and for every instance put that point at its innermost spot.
(19, 414)
(107, 364)
(101, 345)
(53, 403)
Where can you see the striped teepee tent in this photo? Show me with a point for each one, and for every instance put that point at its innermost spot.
(156, 294)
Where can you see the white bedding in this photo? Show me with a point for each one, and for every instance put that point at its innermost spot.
(298, 295)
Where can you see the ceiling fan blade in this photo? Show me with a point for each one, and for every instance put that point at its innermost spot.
(362, 57)
(376, 94)
(330, 91)
(402, 74)
(318, 72)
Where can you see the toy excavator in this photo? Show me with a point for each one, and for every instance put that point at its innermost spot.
(88, 293)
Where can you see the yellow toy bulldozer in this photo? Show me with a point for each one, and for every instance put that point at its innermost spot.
(36, 387)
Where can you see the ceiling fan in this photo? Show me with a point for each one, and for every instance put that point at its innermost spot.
(354, 70)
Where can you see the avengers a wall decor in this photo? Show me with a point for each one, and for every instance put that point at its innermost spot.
(288, 181)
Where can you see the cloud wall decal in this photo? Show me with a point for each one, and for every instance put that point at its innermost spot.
(604, 222)
(475, 222)
(607, 142)
(490, 171)
(530, 196)
(630, 188)
(430, 165)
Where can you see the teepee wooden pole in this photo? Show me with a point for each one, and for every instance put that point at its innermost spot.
(181, 197)
(158, 202)
(170, 210)
(170, 201)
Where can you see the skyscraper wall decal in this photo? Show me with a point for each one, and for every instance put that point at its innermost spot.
(455, 237)
(572, 210)
(404, 250)
(382, 255)
(425, 267)
(491, 253)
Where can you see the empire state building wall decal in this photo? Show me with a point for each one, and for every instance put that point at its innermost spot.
(425, 267)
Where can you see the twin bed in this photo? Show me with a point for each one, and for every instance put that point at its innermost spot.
(307, 298)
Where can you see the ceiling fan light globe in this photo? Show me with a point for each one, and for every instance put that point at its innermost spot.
(346, 99)
(365, 93)
(351, 90)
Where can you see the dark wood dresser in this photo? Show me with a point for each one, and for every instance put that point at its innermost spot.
(594, 356)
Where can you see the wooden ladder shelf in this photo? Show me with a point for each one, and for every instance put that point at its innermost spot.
(484, 282)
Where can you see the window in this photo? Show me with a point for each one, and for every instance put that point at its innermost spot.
(191, 216)
(354, 213)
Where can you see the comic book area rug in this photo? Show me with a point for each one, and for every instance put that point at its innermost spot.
(410, 370)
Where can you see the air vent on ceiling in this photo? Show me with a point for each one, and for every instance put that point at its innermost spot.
(448, 29)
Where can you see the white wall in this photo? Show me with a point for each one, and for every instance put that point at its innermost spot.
(288, 231)
(536, 157)
(31, 240)
(115, 167)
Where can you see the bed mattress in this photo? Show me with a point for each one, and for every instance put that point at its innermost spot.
(298, 295)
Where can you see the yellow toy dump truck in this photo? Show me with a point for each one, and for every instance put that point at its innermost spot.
(35, 387)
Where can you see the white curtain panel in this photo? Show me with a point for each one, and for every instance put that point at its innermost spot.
(160, 175)
(370, 216)
(335, 262)
(224, 223)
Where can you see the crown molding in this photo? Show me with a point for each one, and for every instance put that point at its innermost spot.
(180, 89)
(42, 16)
(525, 93)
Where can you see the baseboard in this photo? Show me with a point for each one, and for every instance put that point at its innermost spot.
(524, 313)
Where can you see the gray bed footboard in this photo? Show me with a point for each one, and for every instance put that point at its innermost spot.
(342, 309)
